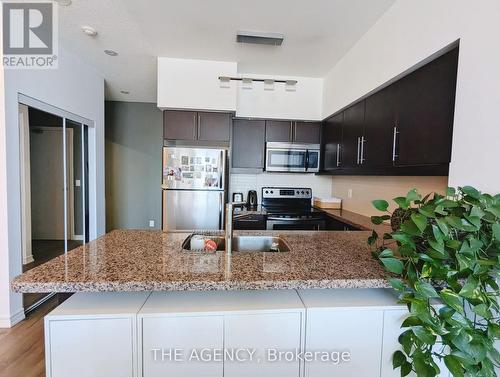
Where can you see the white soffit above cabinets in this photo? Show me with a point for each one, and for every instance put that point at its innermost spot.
(318, 33)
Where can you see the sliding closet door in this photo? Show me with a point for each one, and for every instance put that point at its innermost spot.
(54, 188)
(76, 193)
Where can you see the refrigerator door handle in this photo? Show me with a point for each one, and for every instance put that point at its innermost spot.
(222, 169)
(221, 209)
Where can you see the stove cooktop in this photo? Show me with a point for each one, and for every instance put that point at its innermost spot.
(289, 202)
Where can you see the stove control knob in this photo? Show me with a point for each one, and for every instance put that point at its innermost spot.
(267, 192)
(272, 191)
(298, 192)
(302, 192)
(307, 192)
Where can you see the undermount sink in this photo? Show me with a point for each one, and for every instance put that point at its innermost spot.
(244, 244)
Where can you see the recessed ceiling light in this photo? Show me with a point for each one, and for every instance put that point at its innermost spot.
(124, 92)
(89, 30)
(110, 52)
(64, 3)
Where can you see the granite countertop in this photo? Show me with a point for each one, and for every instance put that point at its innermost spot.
(357, 220)
(140, 260)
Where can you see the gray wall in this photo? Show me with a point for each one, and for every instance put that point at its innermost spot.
(134, 137)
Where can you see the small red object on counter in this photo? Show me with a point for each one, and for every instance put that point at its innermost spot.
(210, 245)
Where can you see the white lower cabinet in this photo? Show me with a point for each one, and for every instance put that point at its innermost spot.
(274, 340)
(392, 329)
(353, 339)
(304, 333)
(91, 347)
(182, 346)
(236, 327)
(93, 335)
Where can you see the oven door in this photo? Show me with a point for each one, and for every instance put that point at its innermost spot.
(286, 159)
(278, 223)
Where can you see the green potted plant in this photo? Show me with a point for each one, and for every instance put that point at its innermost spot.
(443, 258)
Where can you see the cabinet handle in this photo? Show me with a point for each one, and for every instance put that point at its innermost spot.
(362, 158)
(394, 138)
(338, 154)
(196, 120)
(357, 153)
(291, 131)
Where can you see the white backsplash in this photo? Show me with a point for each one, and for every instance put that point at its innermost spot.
(320, 185)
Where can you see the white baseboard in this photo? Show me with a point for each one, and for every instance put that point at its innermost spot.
(77, 237)
(28, 259)
(7, 323)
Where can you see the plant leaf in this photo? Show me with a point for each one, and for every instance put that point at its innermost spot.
(392, 265)
(381, 205)
(420, 221)
(426, 289)
(405, 369)
(397, 284)
(443, 226)
(482, 310)
(386, 253)
(412, 195)
(496, 231)
(452, 299)
(471, 191)
(454, 366)
(398, 358)
(424, 335)
(401, 202)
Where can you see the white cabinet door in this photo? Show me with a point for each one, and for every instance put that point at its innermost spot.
(192, 338)
(91, 348)
(263, 333)
(392, 329)
(355, 332)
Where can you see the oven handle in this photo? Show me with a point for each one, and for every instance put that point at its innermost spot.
(294, 219)
(307, 159)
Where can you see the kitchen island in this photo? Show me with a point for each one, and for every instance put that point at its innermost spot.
(137, 260)
(143, 305)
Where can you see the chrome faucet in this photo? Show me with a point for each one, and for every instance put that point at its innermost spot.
(229, 227)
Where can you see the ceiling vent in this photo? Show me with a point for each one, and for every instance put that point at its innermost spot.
(273, 39)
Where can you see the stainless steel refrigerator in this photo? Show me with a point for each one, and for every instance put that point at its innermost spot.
(194, 188)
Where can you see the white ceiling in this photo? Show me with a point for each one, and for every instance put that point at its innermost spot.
(317, 34)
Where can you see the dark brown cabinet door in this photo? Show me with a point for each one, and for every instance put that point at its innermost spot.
(426, 110)
(279, 131)
(214, 126)
(332, 141)
(248, 144)
(180, 125)
(352, 132)
(380, 120)
(307, 132)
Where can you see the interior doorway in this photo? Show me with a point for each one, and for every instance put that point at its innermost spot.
(54, 188)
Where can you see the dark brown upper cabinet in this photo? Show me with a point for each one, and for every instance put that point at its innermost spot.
(196, 126)
(352, 134)
(293, 131)
(248, 143)
(332, 137)
(307, 132)
(403, 129)
(180, 125)
(426, 110)
(380, 121)
(214, 126)
(279, 131)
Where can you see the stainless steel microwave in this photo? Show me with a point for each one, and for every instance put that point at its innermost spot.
(288, 157)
